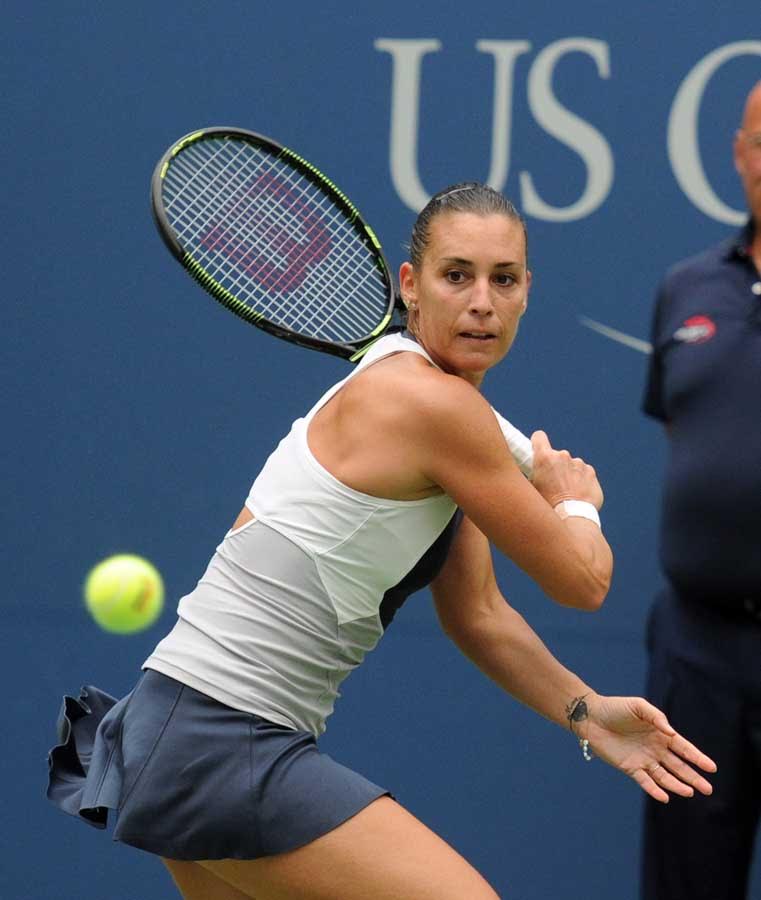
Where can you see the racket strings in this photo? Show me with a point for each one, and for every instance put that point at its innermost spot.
(274, 240)
(233, 211)
(287, 312)
(324, 308)
(233, 214)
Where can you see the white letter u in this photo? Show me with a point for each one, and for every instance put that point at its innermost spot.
(405, 111)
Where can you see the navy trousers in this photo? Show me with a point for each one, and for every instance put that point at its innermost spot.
(705, 674)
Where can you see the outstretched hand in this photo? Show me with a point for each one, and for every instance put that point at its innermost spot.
(635, 737)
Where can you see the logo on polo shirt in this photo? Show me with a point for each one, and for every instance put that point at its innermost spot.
(696, 330)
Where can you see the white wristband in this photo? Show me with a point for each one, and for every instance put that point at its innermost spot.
(568, 508)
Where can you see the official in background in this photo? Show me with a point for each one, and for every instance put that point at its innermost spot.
(704, 634)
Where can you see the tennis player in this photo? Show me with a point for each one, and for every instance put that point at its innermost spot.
(211, 761)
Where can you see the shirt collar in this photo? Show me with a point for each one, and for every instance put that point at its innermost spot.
(738, 245)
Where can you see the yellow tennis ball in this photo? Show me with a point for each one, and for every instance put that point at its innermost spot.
(124, 593)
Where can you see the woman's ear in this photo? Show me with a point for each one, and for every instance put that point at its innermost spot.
(407, 283)
(528, 288)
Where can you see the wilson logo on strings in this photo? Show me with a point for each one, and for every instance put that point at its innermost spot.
(295, 235)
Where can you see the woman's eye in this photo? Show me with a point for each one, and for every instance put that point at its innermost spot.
(455, 276)
(504, 279)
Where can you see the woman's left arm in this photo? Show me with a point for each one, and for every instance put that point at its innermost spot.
(626, 732)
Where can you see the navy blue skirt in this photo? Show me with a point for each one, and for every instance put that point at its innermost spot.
(191, 778)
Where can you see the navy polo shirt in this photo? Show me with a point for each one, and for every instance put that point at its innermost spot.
(705, 383)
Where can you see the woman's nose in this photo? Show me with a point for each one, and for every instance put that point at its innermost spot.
(480, 297)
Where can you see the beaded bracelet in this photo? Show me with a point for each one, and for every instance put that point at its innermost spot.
(576, 711)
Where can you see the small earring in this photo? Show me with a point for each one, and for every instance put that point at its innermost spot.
(412, 307)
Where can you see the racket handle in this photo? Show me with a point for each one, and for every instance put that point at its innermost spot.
(519, 444)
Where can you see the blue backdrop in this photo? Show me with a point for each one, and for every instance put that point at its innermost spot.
(130, 427)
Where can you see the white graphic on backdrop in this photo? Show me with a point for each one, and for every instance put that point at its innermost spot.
(683, 148)
(620, 337)
(567, 127)
(550, 114)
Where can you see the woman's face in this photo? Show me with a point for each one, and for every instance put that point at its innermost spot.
(470, 291)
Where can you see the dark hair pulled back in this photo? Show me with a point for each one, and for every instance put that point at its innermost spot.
(468, 196)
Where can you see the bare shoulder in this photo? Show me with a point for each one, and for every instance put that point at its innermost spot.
(403, 426)
(420, 398)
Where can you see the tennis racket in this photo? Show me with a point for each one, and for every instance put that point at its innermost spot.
(274, 240)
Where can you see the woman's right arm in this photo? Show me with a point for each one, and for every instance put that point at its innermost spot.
(459, 446)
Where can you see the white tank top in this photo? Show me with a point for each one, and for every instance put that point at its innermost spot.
(361, 545)
(291, 602)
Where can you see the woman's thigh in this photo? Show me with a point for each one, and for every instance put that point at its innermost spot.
(196, 883)
(381, 853)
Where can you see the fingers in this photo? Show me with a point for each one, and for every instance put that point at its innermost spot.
(677, 744)
(649, 713)
(687, 751)
(658, 782)
(579, 465)
(672, 775)
(678, 769)
(637, 738)
(649, 785)
(671, 771)
(541, 444)
(560, 476)
(669, 782)
(540, 441)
